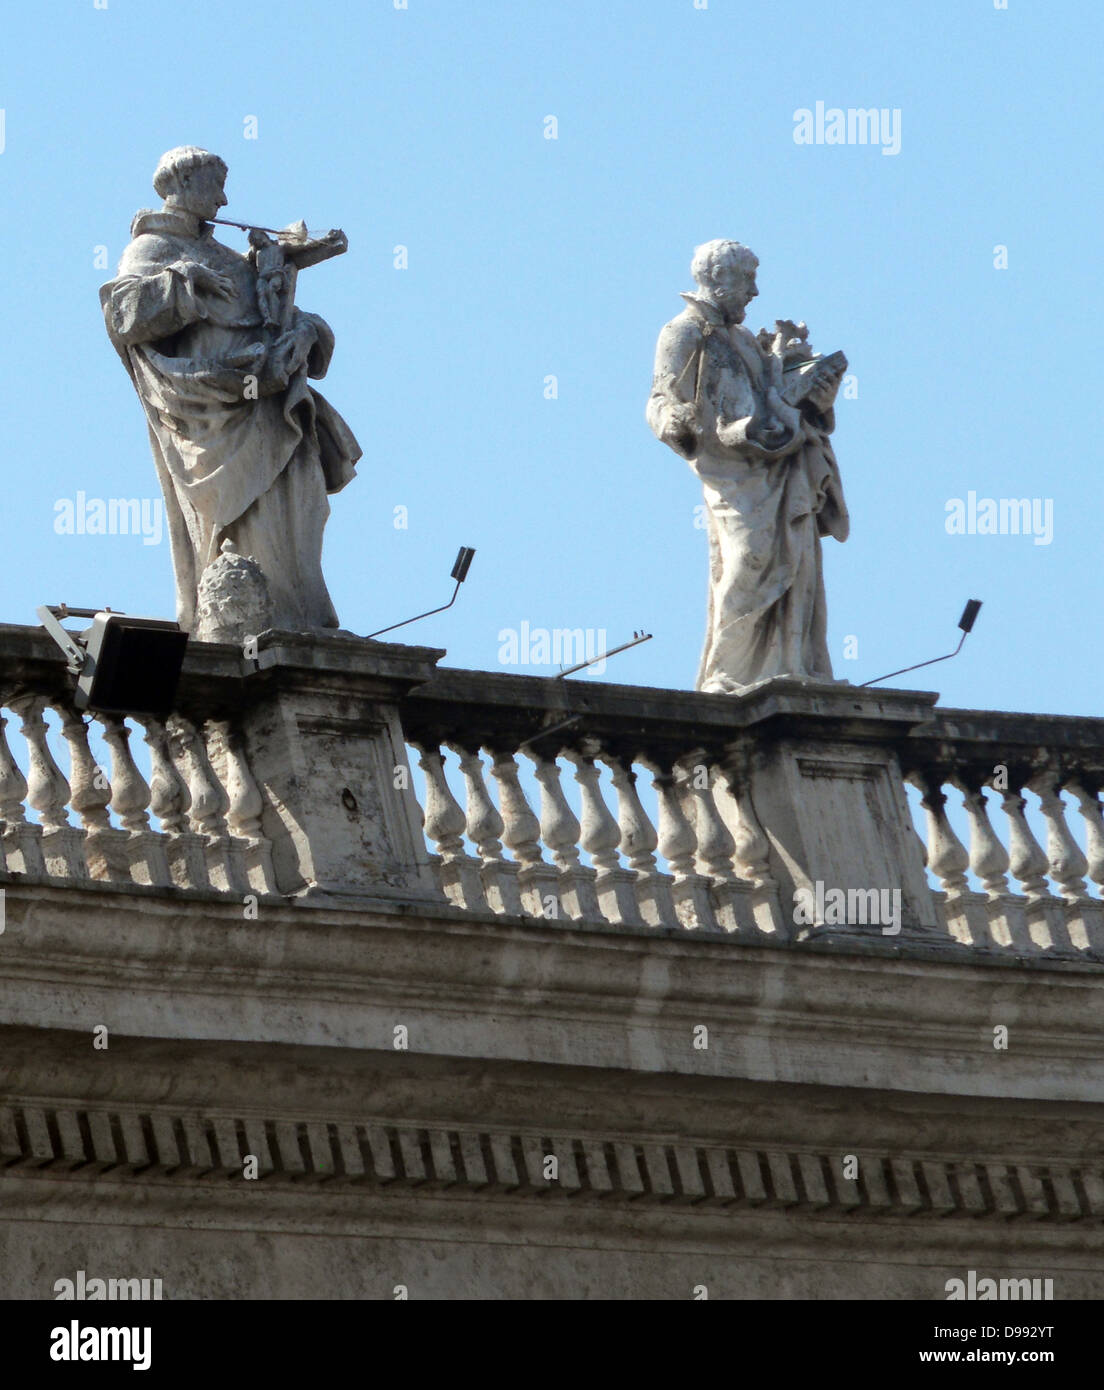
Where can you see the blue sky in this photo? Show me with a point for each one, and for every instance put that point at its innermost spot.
(531, 257)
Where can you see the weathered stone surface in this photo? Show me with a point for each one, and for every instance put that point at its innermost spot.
(753, 417)
(360, 1082)
(245, 449)
(324, 742)
(233, 601)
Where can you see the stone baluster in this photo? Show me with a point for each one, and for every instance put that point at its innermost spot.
(638, 844)
(1088, 804)
(185, 851)
(947, 856)
(484, 828)
(1028, 865)
(716, 846)
(948, 860)
(20, 841)
(130, 797)
(169, 795)
(90, 795)
(560, 831)
(1027, 862)
(988, 857)
(246, 806)
(47, 789)
(1066, 864)
(48, 792)
(600, 835)
(445, 822)
(751, 848)
(209, 804)
(538, 881)
(678, 844)
(731, 895)
(1005, 924)
(130, 793)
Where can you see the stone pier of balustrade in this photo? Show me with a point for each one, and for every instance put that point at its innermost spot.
(1015, 763)
(318, 718)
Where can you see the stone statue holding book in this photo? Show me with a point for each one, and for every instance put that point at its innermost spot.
(245, 449)
(753, 416)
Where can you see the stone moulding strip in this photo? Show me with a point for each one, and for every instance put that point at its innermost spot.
(187, 1147)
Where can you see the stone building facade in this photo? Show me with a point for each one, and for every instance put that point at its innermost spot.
(258, 1039)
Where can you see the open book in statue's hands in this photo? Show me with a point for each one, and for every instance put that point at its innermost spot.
(815, 380)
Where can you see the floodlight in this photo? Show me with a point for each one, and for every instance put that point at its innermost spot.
(969, 615)
(463, 564)
(123, 664)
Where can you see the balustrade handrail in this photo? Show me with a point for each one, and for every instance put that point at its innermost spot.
(520, 705)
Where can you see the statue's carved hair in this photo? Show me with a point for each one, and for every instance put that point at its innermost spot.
(175, 163)
(711, 254)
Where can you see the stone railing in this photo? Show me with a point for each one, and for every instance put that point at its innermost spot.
(273, 776)
(94, 823)
(756, 800)
(564, 802)
(209, 836)
(1026, 763)
(704, 827)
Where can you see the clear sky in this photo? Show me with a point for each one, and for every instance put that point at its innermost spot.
(531, 258)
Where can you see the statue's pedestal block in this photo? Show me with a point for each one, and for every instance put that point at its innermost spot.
(828, 790)
(325, 746)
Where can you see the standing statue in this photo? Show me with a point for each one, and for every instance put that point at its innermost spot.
(246, 451)
(752, 416)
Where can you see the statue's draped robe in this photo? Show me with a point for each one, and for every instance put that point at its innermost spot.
(765, 515)
(252, 471)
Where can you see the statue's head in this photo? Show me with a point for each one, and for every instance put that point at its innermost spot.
(191, 179)
(725, 270)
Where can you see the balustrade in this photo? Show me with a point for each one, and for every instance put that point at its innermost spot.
(701, 860)
(1053, 912)
(641, 811)
(708, 883)
(208, 837)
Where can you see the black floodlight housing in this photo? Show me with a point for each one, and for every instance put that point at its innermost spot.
(123, 665)
(969, 616)
(464, 557)
(463, 564)
(965, 623)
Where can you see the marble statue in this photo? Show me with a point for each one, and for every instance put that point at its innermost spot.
(246, 451)
(753, 416)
